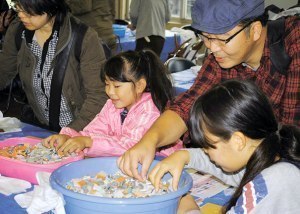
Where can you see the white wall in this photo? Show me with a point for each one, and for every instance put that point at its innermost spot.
(281, 3)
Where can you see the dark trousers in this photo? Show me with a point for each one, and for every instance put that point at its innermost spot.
(156, 44)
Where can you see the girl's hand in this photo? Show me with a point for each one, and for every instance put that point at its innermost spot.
(187, 205)
(74, 144)
(173, 164)
(55, 140)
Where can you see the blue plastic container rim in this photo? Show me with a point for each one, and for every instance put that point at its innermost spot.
(188, 183)
(116, 26)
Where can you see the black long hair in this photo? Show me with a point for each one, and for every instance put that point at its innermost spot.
(58, 8)
(236, 105)
(131, 66)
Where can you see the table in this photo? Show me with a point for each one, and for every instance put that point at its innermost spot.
(209, 193)
(27, 130)
(7, 203)
(128, 43)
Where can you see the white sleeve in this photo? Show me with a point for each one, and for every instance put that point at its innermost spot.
(201, 162)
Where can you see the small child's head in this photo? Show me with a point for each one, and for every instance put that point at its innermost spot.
(230, 121)
(129, 74)
(235, 125)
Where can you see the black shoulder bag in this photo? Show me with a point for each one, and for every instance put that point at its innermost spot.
(78, 31)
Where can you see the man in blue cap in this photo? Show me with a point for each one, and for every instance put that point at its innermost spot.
(235, 31)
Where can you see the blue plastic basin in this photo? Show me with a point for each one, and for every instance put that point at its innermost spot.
(86, 204)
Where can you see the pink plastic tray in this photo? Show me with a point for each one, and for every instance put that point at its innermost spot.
(27, 171)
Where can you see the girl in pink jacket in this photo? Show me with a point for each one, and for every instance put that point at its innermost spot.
(138, 87)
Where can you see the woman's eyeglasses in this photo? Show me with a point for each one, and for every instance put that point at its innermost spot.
(221, 42)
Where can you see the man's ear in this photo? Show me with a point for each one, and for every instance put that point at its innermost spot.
(256, 28)
(238, 140)
(140, 86)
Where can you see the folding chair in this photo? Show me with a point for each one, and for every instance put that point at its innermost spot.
(177, 64)
(180, 50)
(193, 50)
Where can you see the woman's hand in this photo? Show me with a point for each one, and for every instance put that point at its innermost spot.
(173, 164)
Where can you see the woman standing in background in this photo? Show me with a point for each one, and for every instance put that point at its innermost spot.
(149, 18)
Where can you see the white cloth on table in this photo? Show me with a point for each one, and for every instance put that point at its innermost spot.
(12, 185)
(9, 124)
(43, 198)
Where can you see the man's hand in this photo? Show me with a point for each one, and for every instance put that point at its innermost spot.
(142, 153)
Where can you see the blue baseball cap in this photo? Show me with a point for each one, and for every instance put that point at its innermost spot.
(220, 16)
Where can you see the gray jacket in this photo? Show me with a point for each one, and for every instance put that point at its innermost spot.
(149, 17)
(274, 190)
(82, 86)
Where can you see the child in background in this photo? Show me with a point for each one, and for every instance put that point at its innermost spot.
(241, 144)
(139, 88)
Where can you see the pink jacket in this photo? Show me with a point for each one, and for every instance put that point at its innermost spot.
(110, 138)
